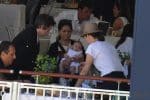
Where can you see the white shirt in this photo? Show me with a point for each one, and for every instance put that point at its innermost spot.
(126, 46)
(73, 15)
(105, 57)
(73, 53)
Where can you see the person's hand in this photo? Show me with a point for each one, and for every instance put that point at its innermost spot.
(78, 58)
(127, 62)
(82, 64)
(66, 62)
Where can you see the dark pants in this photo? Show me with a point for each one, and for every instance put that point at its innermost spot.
(113, 85)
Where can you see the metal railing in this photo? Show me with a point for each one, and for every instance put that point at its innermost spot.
(24, 91)
(37, 74)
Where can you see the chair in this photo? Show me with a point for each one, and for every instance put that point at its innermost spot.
(5, 33)
(102, 25)
(32, 10)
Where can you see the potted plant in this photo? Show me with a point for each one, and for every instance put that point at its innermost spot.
(45, 63)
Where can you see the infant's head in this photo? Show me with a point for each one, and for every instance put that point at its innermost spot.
(77, 46)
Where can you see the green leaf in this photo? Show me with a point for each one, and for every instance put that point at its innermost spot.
(46, 64)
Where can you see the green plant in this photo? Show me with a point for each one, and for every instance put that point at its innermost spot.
(44, 63)
(123, 56)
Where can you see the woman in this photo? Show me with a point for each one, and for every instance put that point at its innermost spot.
(63, 41)
(116, 9)
(125, 43)
(103, 55)
(125, 46)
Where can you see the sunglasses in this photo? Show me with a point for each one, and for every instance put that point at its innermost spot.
(85, 35)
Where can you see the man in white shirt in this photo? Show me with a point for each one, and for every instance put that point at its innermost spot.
(78, 17)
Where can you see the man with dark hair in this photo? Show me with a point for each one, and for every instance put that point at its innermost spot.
(79, 16)
(27, 42)
(7, 56)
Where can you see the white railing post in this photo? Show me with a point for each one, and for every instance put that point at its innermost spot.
(14, 95)
(37, 79)
(118, 97)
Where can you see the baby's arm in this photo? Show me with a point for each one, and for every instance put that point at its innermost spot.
(78, 58)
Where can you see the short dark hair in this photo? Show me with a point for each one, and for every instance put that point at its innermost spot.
(4, 46)
(98, 35)
(45, 20)
(64, 22)
(85, 3)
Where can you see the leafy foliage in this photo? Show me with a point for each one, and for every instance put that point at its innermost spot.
(44, 63)
(124, 56)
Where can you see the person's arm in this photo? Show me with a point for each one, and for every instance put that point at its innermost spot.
(85, 69)
(19, 39)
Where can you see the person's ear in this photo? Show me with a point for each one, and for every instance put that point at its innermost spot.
(3, 53)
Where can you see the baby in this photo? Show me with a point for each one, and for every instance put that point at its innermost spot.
(73, 57)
